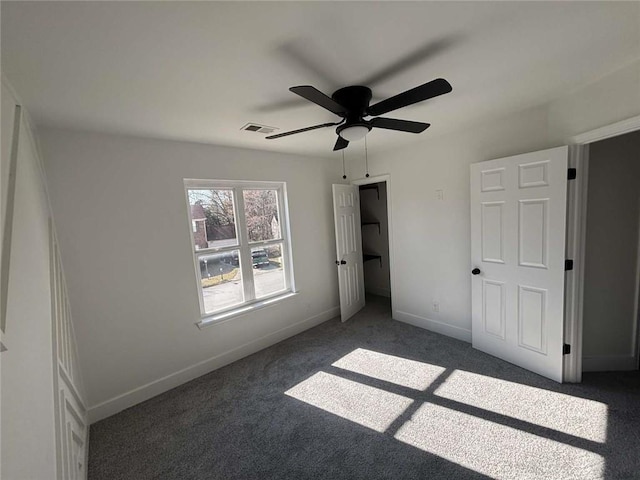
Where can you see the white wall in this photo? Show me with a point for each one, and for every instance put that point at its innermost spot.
(611, 99)
(373, 207)
(613, 223)
(123, 231)
(27, 431)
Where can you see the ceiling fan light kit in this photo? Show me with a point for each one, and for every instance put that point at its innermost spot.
(353, 133)
(352, 104)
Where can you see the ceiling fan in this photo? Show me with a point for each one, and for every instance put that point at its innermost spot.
(352, 104)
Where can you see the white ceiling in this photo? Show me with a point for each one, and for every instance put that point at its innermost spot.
(199, 71)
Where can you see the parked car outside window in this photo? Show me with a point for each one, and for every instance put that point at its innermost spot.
(259, 258)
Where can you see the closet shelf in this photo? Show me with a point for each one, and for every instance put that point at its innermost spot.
(372, 223)
(372, 256)
(373, 186)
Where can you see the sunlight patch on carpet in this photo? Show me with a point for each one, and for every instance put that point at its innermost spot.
(397, 370)
(493, 449)
(575, 416)
(367, 406)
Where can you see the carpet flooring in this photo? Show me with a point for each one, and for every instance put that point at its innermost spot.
(375, 399)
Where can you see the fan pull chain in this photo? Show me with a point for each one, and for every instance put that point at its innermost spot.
(366, 158)
(344, 174)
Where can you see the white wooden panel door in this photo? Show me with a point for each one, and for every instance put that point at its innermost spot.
(518, 220)
(346, 212)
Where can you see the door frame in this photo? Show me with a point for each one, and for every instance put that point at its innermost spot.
(387, 179)
(576, 243)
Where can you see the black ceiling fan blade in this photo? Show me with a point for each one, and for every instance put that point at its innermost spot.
(400, 125)
(340, 144)
(292, 104)
(293, 132)
(426, 91)
(316, 96)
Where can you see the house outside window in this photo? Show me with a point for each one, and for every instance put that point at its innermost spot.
(240, 242)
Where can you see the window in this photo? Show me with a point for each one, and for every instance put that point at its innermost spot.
(240, 244)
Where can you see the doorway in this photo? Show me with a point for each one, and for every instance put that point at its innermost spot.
(375, 239)
(577, 211)
(376, 226)
(612, 255)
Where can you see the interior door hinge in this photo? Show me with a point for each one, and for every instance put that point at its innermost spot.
(568, 265)
(572, 174)
(566, 349)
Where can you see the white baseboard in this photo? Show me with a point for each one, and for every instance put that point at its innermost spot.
(434, 325)
(609, 363)
(381, 292)
(145, 392)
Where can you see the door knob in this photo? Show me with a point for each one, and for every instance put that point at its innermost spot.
(341, 262)
(476, 271)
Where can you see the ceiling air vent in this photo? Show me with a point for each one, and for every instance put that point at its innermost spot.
(255, 127)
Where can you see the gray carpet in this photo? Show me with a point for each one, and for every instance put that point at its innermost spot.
(375, 399)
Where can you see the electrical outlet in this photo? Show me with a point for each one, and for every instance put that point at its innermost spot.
(436, 307)
(440, 194)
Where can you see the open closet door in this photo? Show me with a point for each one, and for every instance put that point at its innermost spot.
(518, 225)
(346, 212)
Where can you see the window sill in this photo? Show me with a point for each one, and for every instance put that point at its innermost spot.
(243, 310)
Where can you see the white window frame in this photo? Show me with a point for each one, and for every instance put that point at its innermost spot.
(244, 246)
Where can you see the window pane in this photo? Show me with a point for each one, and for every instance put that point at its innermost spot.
(268, 270)
(261, 212)
(221, 280)
(212, 214)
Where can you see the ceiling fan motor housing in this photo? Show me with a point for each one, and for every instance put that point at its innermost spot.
(356, 100)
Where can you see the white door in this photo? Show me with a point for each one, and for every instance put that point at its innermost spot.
(346, 213)
(518, 220)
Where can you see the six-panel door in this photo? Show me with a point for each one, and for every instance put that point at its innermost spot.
(346, 209)
(518, 223)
